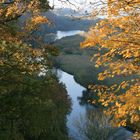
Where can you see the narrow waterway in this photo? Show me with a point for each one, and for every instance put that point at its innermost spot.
(74, 91)
(82, 113)
(87, 113)
(61, 34)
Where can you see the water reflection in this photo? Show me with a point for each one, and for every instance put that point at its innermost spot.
(61, 34)
(74, 91)
(95, 126)
(86, 122)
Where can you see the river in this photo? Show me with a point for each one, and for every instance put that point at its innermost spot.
(84, 116)
(84, 113)
(74, 91)
(61, 34)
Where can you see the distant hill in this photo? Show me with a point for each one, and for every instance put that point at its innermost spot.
(63, 20)
(66, 12)
(65, 23)
(60, 22)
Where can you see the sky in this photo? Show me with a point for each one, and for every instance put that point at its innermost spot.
(82, 6)
(74, 4)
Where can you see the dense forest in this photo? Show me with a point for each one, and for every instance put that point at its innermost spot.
(104, 58)
(30, 107)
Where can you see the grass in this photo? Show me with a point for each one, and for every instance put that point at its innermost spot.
(80, 66)
(77, 62)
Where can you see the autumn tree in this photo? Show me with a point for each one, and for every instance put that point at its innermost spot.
(32, 106)
(16, 55)
(119, 34)
(18, 59)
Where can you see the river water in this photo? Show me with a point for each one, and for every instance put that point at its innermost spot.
(61, 34)
(81, 115)
(74, 91)
(81, 111)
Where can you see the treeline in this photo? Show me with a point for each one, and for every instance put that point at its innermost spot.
(65, 23)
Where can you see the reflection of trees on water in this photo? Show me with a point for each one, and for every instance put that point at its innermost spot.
(57, 72)
(34, 111)
(94, 125)
(85, 97)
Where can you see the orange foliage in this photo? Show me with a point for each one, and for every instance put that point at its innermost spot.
(15, 54)
(119, 35)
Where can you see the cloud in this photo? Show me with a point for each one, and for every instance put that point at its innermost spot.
(74, 4)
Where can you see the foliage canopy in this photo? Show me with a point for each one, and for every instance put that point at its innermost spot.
(119, 34)
(30, 107)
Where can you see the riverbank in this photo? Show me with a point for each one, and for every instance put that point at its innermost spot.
(73, 64)
(84, 114)
(76, 61)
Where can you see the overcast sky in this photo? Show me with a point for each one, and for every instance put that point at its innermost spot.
(74, 4)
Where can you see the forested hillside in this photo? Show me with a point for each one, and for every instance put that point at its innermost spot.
(29, 103)
(71, 72)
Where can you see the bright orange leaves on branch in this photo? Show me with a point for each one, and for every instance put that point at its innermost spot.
(17, 57)
(119, 35)
(11, 10)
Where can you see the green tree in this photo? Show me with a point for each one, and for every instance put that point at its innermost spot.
(32, 106)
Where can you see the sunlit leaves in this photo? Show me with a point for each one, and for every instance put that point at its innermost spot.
(21, 58)
(16, 55)
(27, 98)
(119, 35)
(11, 10)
